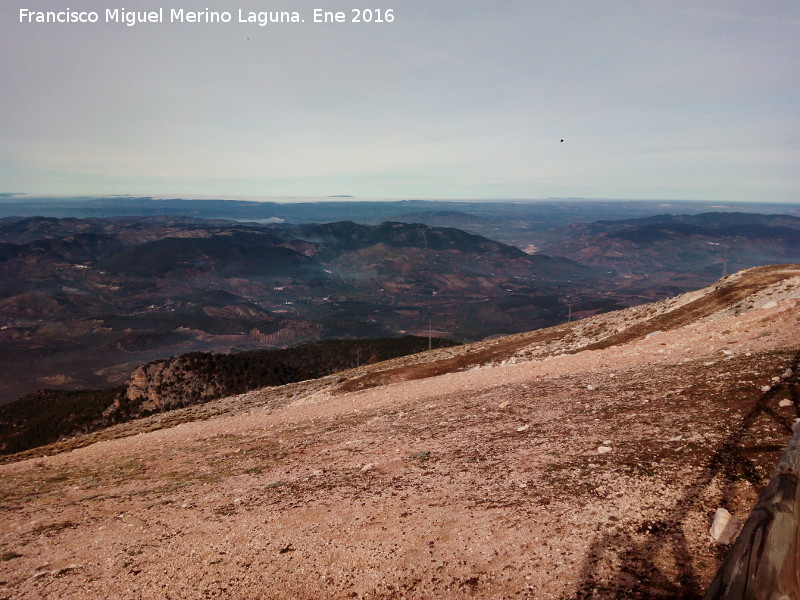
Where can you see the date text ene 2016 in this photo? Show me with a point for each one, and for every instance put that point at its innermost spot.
(357, 15)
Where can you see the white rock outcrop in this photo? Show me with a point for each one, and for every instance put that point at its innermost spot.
(725, 527)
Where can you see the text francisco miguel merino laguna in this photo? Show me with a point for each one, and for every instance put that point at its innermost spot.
(180, 15)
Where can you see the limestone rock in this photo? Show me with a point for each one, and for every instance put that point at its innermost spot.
(163, 385)
(725, 527)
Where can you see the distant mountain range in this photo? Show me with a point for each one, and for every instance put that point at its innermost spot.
(503, 220)
(85, 301)
(679, 251)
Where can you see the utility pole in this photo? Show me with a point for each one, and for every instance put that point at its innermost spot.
(430, 341)
(725, 265)
(569, 314)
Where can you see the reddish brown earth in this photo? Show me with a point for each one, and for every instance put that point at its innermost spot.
(466, 472)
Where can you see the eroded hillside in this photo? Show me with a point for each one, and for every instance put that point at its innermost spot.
(581, 461)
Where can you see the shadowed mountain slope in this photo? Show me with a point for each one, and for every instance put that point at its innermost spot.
(233, 253)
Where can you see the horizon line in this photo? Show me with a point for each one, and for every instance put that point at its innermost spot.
(23, 197)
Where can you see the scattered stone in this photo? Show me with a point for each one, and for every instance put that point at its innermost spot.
(590, 387)
(770, 304)
(784, 403)
(787, 373)
(465, 469)
(725, 527)
(765, 388)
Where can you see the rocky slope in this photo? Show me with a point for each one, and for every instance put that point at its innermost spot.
(198, 377)
(581, 461)
(49, 415)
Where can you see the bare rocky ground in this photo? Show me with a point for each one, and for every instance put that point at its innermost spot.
(581, 461)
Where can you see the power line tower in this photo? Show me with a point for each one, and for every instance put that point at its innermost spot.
(725, 265)
(430, 335)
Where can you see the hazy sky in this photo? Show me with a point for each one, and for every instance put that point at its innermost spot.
(454, 99)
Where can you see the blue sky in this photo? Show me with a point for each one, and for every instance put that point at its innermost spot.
(454, 99)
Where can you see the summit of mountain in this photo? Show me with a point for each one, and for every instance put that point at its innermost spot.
(585, 460)
(446, 218)
(395, 234)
